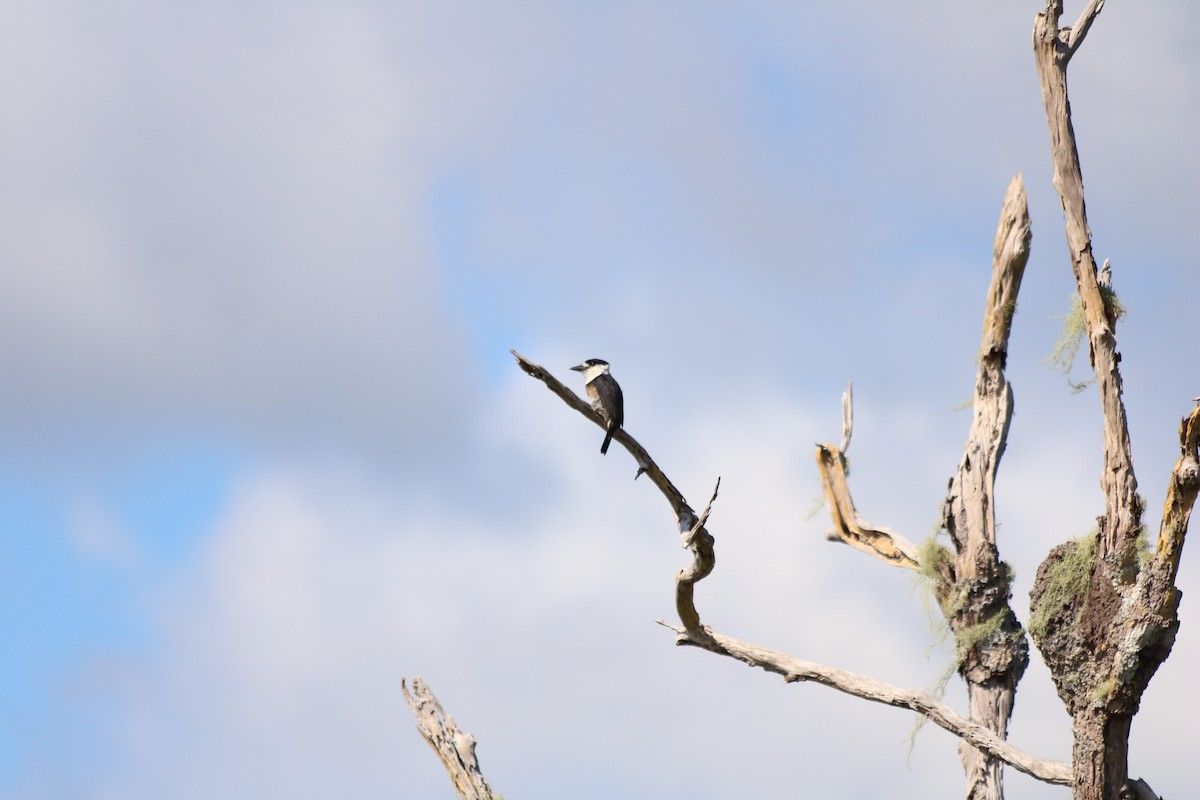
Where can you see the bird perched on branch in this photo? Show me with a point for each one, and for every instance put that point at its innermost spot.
(605, 394)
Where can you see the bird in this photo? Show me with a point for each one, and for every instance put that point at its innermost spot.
(606, 396)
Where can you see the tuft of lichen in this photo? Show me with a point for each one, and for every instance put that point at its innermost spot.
(1145, 553)
(934, 561)
(1103, 690)
(970, 637)
(1066, 584)
(1074, 333)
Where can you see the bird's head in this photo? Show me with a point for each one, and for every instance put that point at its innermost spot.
(592, 368)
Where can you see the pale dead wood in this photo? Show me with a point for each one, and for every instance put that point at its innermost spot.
(969, 514)
(795, 670)
(691, 530)
(847, 416)
(700, 542)
(1104, 646)
(454, 747)
(973, 587)
(1076, 33)
(1181, 496)
(848, 526)
(1053, 49)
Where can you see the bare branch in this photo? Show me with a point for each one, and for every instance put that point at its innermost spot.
(700, 523)
(970, 516)
(700, 542)
(847, 416)
(454, 747)
(1082, 25)
(972, 588)
(848, 526)
(1122, 520)
(694, 535)
(1181, 496)
(795, 670)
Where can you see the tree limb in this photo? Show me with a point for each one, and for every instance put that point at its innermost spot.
(973, 587)
(691, 528)
(795, 670)
(848, 526)
(1080, 29)
(1052, 51)
(1181, 497)
(700, 542)
(454, 747)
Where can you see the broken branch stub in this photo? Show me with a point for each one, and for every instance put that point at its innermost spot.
(848, 526)
(454, 747)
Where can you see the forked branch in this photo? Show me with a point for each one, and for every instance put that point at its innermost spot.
(848, 526)
(700, 542)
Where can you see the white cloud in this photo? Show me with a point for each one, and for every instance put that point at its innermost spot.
(220, 218)
(283, 644)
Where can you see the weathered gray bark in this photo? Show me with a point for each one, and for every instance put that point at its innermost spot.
(454, 747)
(1104, 614)
(973, 589)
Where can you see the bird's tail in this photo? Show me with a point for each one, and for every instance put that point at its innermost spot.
(607, 440)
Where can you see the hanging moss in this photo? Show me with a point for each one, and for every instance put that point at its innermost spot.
(1074, 333)
(1066, 584)
(973, 635)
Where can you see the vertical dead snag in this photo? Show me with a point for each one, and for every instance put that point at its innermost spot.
(971, 584)
(974, 586)
(1105, 618)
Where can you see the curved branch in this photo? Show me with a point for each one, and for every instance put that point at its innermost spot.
(848, 526)
(700, 542)
(691, 528)
(795, 670)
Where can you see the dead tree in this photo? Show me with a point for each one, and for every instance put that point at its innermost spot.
(971, 584)
(1103, 608)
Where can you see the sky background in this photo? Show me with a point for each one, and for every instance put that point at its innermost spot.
(263, 450)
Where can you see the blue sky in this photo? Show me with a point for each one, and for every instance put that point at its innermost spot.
(263, 450)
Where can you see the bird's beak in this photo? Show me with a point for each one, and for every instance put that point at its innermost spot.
(579, 368)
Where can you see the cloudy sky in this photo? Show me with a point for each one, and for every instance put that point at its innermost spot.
(263, 450)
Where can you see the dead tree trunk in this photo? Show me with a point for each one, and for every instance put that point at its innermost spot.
(973, 588)
(1103, 610)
